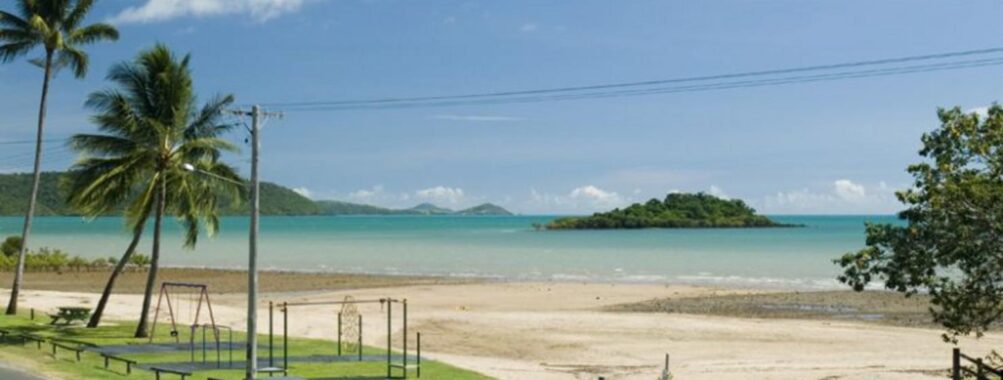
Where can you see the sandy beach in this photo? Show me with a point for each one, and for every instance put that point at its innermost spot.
(578, 331)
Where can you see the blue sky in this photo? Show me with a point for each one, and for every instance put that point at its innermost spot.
(825, 147)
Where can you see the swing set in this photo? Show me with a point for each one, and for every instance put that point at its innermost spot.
(179, 295)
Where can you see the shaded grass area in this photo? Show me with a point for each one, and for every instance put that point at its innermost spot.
(870, 306)
(64, 364)
(219, 281)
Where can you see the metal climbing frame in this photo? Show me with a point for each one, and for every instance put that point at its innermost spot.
(403, 366)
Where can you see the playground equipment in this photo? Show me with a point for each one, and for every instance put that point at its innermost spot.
(347, 327)
(183, 297)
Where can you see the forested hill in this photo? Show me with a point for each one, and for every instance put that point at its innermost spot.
(275, 200)
(678, 210)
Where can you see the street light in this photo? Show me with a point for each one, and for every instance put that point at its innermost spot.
(193, 169)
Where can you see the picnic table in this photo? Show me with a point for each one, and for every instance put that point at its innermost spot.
(70, 314)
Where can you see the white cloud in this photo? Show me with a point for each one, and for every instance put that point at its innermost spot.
(162, 10)
(367, 195)
(476, 118)
(841, 197)
(526, 28)
(717, 192)
(580, 200)
(595, 194)
(981, 111)
(442, 195)
(302, 191)
(847, 190)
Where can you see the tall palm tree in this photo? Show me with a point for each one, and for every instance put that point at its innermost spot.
(54, 25)
(151, 129)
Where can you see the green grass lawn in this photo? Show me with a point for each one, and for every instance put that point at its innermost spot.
(91, 366)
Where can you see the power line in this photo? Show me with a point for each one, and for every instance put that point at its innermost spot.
(882, 72)
(393, 100)
(13, 142)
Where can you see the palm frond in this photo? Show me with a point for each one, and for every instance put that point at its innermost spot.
(74, 58)
(9, 52)
(206, 123)
(13, 21)
(91, 34)
(104, 145)
(73, 19)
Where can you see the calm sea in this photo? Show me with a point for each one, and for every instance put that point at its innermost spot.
(505, 248)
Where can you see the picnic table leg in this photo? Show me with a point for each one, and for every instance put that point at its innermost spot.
(78, 355)
(128, 368)
(105, 362)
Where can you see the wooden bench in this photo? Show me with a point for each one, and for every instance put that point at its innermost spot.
(76, 349)
(38, 339)
(157, 371)
(10, 335)
(128, 362)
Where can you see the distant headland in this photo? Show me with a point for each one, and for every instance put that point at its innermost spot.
(275, 200)
(678, 210)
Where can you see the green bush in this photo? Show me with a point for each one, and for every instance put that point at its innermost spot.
(11, 245)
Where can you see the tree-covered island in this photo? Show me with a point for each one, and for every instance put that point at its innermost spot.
(678, 210)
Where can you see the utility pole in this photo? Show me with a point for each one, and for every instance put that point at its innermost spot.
(252, 260)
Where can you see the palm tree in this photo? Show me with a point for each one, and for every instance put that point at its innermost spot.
(151, 128)
(55, 26)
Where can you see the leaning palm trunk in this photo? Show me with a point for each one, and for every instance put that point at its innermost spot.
(151, 278)
(15, 289)
(119, 267)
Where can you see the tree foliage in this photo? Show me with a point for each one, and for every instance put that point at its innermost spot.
(951, 244)
(678, 210)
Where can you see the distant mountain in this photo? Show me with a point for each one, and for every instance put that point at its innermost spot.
(275, 200)
(346, 208)
(484, 209)
(430, 209)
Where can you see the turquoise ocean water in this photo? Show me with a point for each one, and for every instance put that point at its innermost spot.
(504, 248)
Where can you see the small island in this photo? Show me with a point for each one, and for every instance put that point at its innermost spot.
(678, 210)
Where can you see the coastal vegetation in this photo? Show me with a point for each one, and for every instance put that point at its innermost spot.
(949, 244)
(678, 210)
(46, 259)
(275, 200)
(57, 27)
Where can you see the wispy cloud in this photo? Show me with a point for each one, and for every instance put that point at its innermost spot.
(303, 191)
(528, 28)
(842, 196)
(580, 200)
(442, 195)
(163, 10)
(484, 118)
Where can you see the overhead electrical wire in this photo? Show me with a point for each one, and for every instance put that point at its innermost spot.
(648, 87)
(902, 70)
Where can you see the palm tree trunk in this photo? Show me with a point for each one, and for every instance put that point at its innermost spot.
(99, 310)
(141, 330)
(15, 289)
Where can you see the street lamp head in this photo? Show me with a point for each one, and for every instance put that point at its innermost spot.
(188, 167)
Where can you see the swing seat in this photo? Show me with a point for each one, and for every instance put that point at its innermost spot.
(271, 371)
